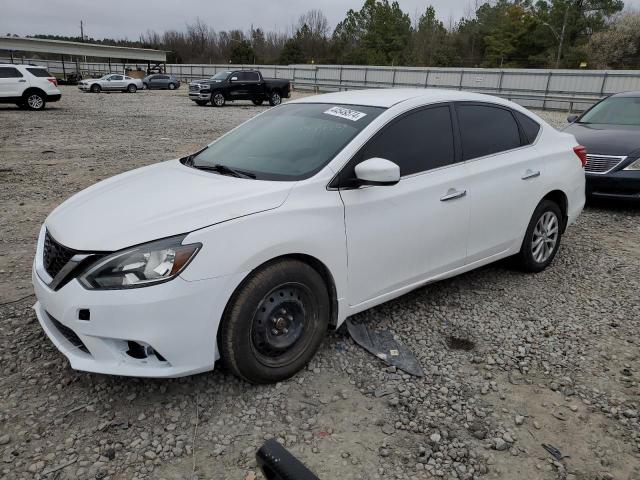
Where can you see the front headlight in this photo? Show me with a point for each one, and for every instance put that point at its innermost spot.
(633, 166)
(141, 266)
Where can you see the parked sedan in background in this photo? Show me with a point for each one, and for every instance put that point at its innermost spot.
(610, 130)
(111, 82)
(410, 186)
(161, 81)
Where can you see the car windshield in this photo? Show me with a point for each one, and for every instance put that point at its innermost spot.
(221, 76)
(291, 142)
(615, 111)
(103, 77)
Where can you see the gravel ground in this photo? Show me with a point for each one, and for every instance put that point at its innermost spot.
(555, 356)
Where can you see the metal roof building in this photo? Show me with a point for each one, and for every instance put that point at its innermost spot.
(19, 44)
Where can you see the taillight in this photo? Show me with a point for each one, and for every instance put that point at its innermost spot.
(581, 152)
(53, 80)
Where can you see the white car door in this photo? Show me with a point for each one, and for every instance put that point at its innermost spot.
(12, 82)
(505, 178)
(400, 235)
(115, 82)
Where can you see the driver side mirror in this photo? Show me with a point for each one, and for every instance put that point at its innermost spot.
(377, 171)
(572, 118)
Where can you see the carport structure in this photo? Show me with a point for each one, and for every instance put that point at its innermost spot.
(80, 49)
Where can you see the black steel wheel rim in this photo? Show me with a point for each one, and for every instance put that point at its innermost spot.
(280, 322)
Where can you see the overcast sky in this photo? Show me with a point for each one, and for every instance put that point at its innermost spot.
(130, 18)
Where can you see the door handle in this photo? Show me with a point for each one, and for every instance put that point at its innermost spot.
(530, 174)
(22, 80)
(452, 194)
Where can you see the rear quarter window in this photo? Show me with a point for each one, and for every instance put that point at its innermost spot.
(39, 72)
(529, 126)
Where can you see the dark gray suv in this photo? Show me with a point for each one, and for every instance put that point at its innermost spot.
(161, 80)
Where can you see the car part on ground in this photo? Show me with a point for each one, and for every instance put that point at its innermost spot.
(28, 86)
(277, 463)
(239, 85)
(383, 345)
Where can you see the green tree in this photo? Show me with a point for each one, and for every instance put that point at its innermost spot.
(242, 52)
(379, 33)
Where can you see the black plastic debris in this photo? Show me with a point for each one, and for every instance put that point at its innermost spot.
(458, 343)
(385, 347)
(554, 452)
(277, 463)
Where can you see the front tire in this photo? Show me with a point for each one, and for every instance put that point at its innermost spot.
(275, 99)
(217, 99)
(171, 86)
(275, 322)
(132, 88)
(95, 88)
(542, 239)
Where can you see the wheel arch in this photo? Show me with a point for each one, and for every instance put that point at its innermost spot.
(314, 263)
(34, 90)
(560, 198)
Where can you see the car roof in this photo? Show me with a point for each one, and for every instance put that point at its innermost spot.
(387, 97)
(627, 94)
(20, 65)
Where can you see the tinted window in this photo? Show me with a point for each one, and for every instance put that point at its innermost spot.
(416, 142)
(9, 72)
(251, 76)
(116, 77)
(39, 72)
(162, 77)
(485, 130)
(529, 126)
(614, 111)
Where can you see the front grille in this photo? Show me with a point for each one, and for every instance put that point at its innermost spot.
(194, 88)
(69, 334)
(602, 163)
(55, 255)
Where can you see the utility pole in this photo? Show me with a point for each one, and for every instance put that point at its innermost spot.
(81, 31)
(564, 27)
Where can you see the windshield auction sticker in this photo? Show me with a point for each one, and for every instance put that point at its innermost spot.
(347, 113)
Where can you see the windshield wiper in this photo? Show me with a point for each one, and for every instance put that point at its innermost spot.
(188, 160)
(225, 170)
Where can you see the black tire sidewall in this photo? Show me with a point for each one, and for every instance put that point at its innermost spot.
(271, 99)
(95, 88)
(257, 103)
(235, 332)
(132, 88)
(26, 101)
(527, 262)
(171, 86)
(213, 102)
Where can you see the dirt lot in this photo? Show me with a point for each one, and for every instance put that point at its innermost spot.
(556, 357)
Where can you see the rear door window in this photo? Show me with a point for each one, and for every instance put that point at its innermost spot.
(486, 130)
(39, 72)
(10, 72)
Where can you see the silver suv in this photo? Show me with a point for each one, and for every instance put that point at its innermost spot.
(28, 86)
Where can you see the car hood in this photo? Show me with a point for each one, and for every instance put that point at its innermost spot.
(157, 201)
(607, 139)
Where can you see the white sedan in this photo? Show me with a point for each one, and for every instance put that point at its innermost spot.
(111, 82)
(252, 248)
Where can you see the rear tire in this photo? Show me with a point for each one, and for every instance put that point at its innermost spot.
(132, 88)
(257, 102)
(275, 99)
(542, 239)
(34, 100)
(95, 88)
(171, 86)
(275, 322)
